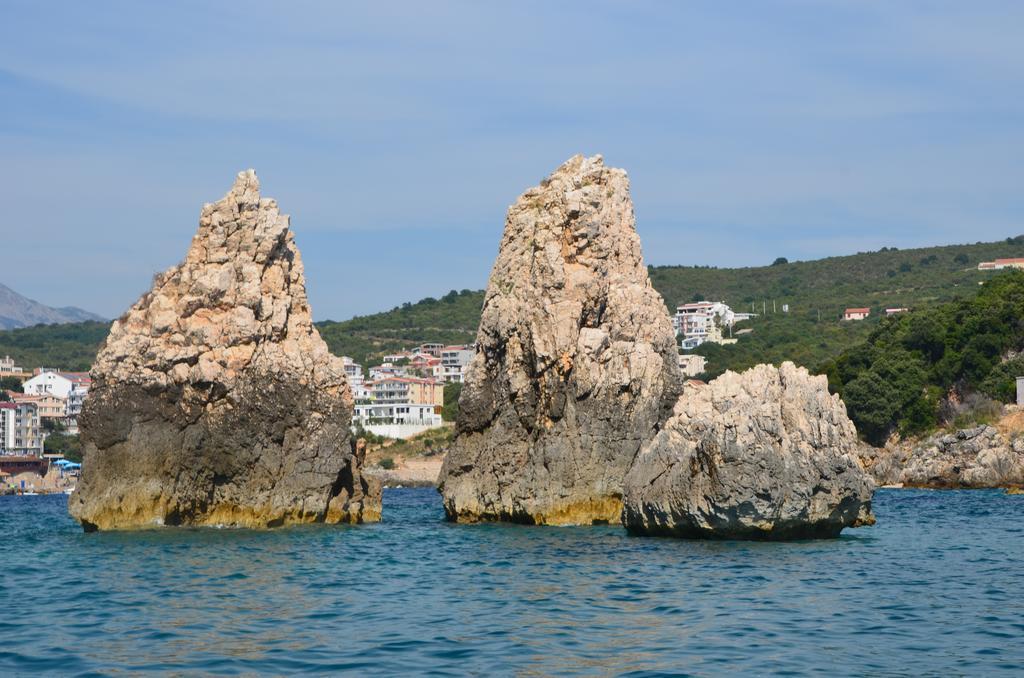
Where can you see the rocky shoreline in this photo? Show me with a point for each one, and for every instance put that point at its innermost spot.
(980, 457)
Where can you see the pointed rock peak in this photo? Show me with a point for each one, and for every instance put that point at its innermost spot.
(246, 182)
(214, 399)
(575, 359)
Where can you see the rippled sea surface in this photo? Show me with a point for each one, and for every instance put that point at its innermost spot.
(935, 588)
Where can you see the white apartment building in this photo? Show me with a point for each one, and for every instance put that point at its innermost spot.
(400, 407)
(385, 370)
(692, 364)
(20, 429)
(71, 387)
(455, 360)
(703, 321)
(50, 382)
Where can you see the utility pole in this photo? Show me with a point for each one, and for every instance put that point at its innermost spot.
(773, 306)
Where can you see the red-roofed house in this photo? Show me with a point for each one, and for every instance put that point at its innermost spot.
(856, 313)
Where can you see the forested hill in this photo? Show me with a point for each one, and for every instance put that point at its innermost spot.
(816, 292)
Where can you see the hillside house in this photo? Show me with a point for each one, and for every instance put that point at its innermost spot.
(856, 313)
(1000, 264)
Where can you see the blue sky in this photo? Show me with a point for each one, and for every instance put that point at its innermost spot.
(397, 134)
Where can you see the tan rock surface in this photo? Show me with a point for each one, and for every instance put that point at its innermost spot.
(978, 457)
(214, 399)
(576, 363)
(766, 454)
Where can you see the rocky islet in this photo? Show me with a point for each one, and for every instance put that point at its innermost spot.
(766, 454)
(575, 360)
(217, 403)
(214, 399)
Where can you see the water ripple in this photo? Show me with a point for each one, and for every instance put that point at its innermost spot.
(932, 589)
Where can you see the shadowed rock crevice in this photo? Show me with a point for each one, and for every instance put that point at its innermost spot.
(214, 399)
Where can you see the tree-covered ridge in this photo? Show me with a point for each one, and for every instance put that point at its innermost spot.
(887, 278)
(810, 334)
(71, 346)
(918, 370)
(451, 319)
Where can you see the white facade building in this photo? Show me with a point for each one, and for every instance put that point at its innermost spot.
(53, 383)
(20, 429)
(386, 370)
(455, 360)
(703, 321)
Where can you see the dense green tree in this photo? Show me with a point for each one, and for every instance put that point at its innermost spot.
(63, 443)
(452, 391)
(11, 384)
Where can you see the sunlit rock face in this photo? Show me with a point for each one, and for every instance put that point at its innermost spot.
(766, 454)
(214, 399)
(575, 364)
(978, 457)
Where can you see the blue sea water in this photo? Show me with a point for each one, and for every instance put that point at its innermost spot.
(934, 589)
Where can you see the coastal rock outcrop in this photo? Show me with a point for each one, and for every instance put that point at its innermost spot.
(214, 399)
(976, 457)
(575, 365)
(766, 454)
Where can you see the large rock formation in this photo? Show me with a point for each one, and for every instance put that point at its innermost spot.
(214, 399)
(575, 365)
(977, 457)
(766, 454)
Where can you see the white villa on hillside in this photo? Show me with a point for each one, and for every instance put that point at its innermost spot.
(704, 321)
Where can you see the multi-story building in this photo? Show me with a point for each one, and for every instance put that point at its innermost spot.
(356, 382)
(20, 430)
(48, 405)
(692, 364)
(49, 381)
(71, 387)
(455, 360)
(9, 369)
(401, 406)
(385, 370)
(703, 321)
(430, 349)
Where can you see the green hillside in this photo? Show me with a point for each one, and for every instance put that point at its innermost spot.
(70, 346)
(899, 377)
(810, 333)
(452, 319)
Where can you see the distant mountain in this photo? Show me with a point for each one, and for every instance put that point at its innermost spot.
(18, 311)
